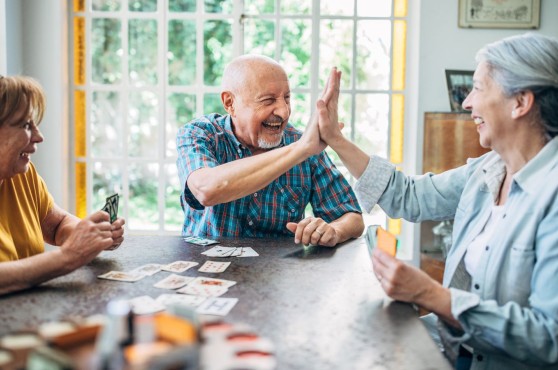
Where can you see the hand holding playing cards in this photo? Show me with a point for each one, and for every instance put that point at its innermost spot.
(91, 236)
(406, 283)
(313, 230)
(117, 233)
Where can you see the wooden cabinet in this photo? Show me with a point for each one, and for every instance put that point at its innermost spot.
(449, 139)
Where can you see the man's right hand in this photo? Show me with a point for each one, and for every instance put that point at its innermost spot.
(91, 236)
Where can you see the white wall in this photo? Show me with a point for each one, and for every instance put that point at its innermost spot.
(36, 46)
(3, 58)
(443, 45)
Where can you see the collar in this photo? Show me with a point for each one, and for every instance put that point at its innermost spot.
(537, 169)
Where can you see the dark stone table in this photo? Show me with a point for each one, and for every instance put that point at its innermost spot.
(321, 307)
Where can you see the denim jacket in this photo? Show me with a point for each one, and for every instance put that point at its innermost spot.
(510, 316)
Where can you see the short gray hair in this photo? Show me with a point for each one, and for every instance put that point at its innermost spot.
(527, 62)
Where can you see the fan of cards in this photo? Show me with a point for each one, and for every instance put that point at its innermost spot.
(111, 207)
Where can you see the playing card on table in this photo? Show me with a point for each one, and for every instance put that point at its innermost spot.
(212, 281)
(173, 281)
(203, 290)
(220, 251)
(247, 252)
(149, 269)
(179, 266)
(214, 266)
(145, 304)
(180, 299)
(216, 306)
(122, 276)
(199, 241)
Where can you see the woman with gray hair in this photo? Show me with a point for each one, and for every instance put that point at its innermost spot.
(498, 305)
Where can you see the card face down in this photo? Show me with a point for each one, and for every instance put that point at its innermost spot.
(377, 236)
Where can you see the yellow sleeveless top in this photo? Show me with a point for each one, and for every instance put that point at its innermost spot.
(24, 203)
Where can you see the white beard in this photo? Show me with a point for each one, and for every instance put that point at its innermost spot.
(262, 144)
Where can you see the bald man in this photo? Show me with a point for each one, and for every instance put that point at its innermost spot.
(251, 174)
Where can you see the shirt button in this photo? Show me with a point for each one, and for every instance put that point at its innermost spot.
(250, 223)
(479, 358)
(477, 286)
(293, 210)
(487, 247)
(255, 194)
(504, 215)
(282, 191)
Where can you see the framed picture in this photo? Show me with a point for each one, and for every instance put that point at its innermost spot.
(499, 14)
(460, 84)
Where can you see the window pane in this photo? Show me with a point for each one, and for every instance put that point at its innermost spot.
(182, 52)
(105, 5)
(142, 51)
(174, 216)
(183, 6)
(296, 49)
(143, 121)
(142, 5)
(336, 49)
(180, 110)
(212, 104)
(336, 7)
(259, 37)
(217, 50)
(373, 55)
(218, 6)
(298, 7)
(106, 47)
(107, 180)
(259, 6)
(300, 110)
(372, 124)
(376, 8)
(143, 210)
(106, 124)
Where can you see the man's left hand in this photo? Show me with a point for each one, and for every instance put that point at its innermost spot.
(314, 230)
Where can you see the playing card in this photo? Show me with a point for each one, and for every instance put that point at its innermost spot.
(214, 266)
(111, 207)
(122, 276)
(179, 266)
(212, 281)
(216, 306)
(248, 252)
(220, 251)
(180, 299)
(199, 241)
(203, 290)
(173, 281)
(145, 304)
(149, 269)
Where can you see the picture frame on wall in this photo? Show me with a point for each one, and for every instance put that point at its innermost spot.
(499, 14)
(460, 84)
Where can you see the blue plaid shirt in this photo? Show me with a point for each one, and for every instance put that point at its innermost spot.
(209, 141)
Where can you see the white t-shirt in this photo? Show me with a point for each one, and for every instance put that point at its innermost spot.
(477, 246)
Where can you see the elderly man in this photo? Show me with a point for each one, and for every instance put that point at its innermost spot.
(248, 174)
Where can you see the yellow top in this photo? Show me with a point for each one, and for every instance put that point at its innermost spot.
(24, 203)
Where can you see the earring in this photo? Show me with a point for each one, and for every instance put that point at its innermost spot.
(514, 113)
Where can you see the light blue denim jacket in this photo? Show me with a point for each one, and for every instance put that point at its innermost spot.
(510, 316)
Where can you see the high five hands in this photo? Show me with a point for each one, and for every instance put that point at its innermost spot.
(314, 139)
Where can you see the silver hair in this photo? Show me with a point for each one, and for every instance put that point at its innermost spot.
(527, 62)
